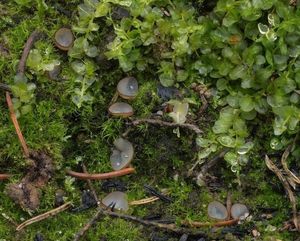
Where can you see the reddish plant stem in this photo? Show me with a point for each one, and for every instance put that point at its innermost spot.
(34, 36)
(16, 125)
(101, 176)
(4, 176)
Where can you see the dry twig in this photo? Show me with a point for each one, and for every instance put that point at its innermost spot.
(287, 188)
(90, 185)
(195, 224)
(167, 227)
(88, 225)
(292, 178)
(44, 216)
(143, 201)
(209, 164)
(191, 127)
(101, 176)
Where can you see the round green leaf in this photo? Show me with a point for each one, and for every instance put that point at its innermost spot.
(227, 141)
(246, 103)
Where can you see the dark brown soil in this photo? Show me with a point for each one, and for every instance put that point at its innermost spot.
(27, 192)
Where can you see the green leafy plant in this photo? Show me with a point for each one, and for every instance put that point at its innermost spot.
(245, 50)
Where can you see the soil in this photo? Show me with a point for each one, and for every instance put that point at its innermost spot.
(27, 192)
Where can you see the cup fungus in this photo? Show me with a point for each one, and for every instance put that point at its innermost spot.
(121, 109)
(64, 39)
(217, 210)
(54, 73)
(122, 154)
(239, 211)
(128, 88)
(116, 200)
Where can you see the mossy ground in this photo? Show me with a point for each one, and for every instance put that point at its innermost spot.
(71, 135)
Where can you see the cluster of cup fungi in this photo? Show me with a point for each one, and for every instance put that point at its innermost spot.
(123, 151)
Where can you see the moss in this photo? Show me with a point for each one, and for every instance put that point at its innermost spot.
(147, 99)
(72, 136)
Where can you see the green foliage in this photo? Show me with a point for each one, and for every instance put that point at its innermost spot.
(245, 50)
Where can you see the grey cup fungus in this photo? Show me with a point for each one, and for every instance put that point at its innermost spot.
(128, 88)
(217, 210)
(122, 154)
(239, 211)
(53, 74)
(64, 39)
(116, 200)
(120, 109)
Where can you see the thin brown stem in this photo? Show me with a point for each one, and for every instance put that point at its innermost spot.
(191, 127)
(16, 125)
(30, 42)
(44, 216)
(101, 176)
(4, 176)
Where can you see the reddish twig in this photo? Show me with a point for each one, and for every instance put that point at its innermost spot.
(4, 176)
(101, 176)
(30, 41)
(16, 125)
